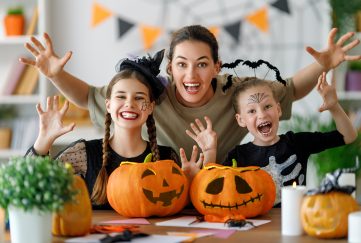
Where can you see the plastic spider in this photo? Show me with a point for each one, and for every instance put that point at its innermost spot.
(238, 223)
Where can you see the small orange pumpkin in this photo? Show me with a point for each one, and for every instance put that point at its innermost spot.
(146, 189)
(76, 217)
(326, 215)
(226, 192)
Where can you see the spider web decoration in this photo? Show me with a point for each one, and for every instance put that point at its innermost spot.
(271, 30)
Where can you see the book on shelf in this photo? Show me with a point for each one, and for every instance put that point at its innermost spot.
(33, 22)
(13, 77)
(27, 82)
(75, 114)
(25, 131)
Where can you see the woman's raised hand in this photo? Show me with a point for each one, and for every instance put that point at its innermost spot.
(45, 60)
(205, 137)
(335, 53)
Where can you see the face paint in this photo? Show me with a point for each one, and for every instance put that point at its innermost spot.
(256, 98)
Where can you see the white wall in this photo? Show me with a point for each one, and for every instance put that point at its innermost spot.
(96, 50)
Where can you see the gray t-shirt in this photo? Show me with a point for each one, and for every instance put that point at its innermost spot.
(172, 118)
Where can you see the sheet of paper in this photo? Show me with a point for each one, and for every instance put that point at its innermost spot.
(95, 238)
(185, 221)
(126, 221)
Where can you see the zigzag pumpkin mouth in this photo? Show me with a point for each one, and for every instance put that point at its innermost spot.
(165, 197)
(235, 206)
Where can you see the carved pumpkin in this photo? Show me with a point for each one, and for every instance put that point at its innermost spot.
(76, 217)
(326, 215)
(224, 192)
(146, 189)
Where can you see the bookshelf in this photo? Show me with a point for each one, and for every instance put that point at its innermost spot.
(11, 48)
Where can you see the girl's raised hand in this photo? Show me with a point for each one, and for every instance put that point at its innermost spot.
(192, 166)
(46, 60)
(51, 123)
(335, 53)
(328, 93)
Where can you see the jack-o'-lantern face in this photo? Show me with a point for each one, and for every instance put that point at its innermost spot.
(167, 191)
(325, 215)
(224, 190)
(147, 189)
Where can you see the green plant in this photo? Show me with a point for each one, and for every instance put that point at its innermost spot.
(343, 15)
(330, 159)
(35, 182)
(15, 11)
(7, 112)
(354, 65)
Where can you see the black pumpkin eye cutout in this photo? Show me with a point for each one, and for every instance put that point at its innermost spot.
(242, 186)
(216, 186)
(148, 172)
(176, 171)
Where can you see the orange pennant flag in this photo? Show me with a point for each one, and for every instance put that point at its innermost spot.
(214, 30)
(259, 19)
(99, 14)
(150, 35)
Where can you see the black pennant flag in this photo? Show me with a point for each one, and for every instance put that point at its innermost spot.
(282, 5)
(123, 26)
(234, 29)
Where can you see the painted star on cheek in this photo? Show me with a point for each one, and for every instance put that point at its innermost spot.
(256, 98)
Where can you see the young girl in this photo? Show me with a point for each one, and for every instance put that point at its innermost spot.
(130, 100)
(283, 156)
(196, 89)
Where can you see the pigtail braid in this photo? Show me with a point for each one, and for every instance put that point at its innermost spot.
(152, 134)
(99, 195)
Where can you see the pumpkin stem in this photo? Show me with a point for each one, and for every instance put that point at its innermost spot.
(148, 158)
(234, 163)
(69, 167)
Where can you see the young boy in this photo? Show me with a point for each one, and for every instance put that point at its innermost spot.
(283, 156)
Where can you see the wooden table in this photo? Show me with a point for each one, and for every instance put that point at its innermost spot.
(270, 232)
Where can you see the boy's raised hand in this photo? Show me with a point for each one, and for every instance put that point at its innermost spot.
(328, 93)
(51, 124)
(335, 53)
(192, 166)
(45, 58)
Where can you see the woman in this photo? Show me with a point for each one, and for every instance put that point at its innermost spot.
(195, 89)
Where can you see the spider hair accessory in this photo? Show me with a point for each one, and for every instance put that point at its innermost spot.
(254, 65)
(147, 66)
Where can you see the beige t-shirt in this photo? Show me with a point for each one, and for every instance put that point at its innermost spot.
(172, 118)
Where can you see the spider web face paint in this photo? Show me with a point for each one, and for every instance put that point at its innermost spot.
(256, 98)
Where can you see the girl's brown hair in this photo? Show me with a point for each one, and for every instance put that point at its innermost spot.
(99, 195)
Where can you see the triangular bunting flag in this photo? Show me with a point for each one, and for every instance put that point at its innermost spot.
(123, 26)
(150, 35)
(259, 19)
(99, 14)
(282, 5)
(234, 29)
(214, 30)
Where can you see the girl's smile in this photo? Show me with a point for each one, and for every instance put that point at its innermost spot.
(129, 102)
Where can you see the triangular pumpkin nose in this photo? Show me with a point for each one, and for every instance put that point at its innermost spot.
(165, 183)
